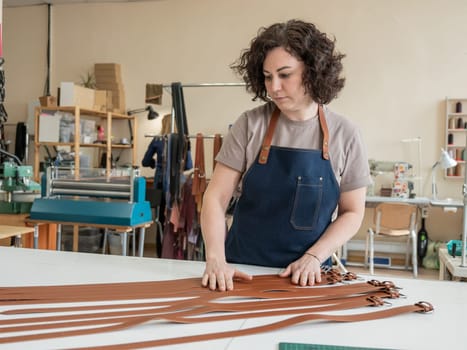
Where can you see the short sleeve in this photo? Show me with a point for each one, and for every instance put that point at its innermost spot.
(233, 150)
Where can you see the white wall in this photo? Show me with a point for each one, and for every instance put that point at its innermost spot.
(403, 59)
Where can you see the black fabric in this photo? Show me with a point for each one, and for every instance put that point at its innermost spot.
(180, 145)
(175, 166)
(21, 141)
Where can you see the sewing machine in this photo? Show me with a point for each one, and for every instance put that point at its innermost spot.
(92, 198)
(17, 189)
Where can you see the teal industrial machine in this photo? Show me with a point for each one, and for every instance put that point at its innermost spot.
(92, 197)
(17, 189)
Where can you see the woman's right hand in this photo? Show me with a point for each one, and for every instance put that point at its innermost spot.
(218, 275)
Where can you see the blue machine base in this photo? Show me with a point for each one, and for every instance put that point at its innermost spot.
(91, 212)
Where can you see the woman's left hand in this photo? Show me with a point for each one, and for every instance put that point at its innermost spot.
(305, 271)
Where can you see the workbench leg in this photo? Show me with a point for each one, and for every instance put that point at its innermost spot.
(442, 270)
(36, 236)
(123, 239)
(104, 244)
(75, 238)
(18, 241)
(59, 237)
(141, 241)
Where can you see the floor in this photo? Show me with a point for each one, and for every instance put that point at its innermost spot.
(423, 273)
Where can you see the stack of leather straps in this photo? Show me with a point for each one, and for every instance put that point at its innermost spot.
(186, 301)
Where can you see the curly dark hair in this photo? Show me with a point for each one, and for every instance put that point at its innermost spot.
(305, 42)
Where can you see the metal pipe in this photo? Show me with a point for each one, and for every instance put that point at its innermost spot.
(206, 85)
(90, 193)
(109, 186)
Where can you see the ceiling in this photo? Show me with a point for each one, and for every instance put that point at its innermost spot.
(19, 3)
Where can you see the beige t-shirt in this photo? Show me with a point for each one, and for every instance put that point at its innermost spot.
(346, 148)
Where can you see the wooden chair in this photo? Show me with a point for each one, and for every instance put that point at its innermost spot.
(394, 220)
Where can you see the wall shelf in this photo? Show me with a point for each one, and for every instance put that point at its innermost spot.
(455, 136)
(105, 118)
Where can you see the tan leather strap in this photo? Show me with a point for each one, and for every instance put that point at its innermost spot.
(266, 146)
(264, 152)
(419, 307)
(189, 303)
(199, 175)
(324, 130)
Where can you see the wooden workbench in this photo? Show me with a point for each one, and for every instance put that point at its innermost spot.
(47, 231)
(8, 231)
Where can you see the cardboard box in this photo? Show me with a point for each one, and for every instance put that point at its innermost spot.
(75, 95)
(107, 72)
(107, 67)
(48, 101)
(103, 100)
(108, 77)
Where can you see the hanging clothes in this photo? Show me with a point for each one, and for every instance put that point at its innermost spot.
(156, 147)
(180, 230)
(216, 148)
(181, 144)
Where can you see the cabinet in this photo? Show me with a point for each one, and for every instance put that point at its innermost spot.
(111, 121)
(455, 135)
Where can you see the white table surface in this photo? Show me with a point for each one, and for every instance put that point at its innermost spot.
(442, 329)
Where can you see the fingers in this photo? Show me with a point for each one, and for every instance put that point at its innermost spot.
(220, 281)
(286, 272)
(217, 282)
(242, 275)
(302, 275)
(205, 280)
(223, 280)
(306, 278)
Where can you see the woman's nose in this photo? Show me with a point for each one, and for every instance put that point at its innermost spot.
(275, 84)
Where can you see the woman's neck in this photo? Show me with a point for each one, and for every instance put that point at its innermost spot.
(302, 114)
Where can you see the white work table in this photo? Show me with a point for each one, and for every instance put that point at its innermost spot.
(441, 329)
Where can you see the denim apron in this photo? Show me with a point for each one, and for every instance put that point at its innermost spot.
(287, 201)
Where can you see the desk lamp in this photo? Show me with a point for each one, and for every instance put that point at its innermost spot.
(445, 161)
(152, 114)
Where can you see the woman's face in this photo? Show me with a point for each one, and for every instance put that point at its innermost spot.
(283, 80)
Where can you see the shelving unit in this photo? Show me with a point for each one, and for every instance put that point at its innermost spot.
(109, 118)
(455, 135)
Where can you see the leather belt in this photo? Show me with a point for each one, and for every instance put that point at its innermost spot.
(264, 296)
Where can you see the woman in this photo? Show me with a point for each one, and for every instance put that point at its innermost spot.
(302, 168)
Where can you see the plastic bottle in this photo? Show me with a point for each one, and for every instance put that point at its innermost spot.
(422, 242)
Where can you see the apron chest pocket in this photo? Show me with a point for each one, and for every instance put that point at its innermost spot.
(307, 202)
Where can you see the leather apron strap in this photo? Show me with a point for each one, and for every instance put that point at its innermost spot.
(264, 153)
(266, 146)
(324, 130)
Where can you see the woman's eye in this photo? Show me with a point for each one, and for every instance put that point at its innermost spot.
(267, 77)
(284, 75)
